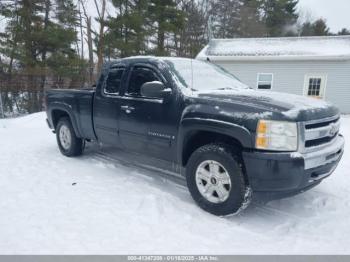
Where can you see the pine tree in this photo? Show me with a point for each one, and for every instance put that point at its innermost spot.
(226, 18)
(344, 31)
(127, 31)
(279, 15)
(321, 28)
(238, 18)
(193, 36)
(23, 30)
(307, 29)
(164, 18)
(250, 21)
(37, 43)
(317, 28)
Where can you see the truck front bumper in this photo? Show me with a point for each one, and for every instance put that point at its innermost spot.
(277, 175)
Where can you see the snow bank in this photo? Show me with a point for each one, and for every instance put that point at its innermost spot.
(51, 204)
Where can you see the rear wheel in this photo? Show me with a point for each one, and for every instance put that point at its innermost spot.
(216, 181)
(69, 144)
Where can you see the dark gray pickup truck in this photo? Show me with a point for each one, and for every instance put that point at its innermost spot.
(229, 141)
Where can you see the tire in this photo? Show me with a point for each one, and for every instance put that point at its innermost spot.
(69, 144)
(215, 180)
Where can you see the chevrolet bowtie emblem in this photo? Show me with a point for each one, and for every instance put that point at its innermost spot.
(333, 130)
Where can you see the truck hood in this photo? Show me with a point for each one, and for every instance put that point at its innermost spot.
(287, 106)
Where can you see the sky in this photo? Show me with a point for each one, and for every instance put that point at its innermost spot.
(336, 12)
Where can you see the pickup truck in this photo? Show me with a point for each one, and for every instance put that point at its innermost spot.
(227, 140)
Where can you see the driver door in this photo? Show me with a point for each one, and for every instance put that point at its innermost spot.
(141, 117)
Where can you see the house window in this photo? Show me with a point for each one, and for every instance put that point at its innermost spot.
(315, 86)
(265, 81)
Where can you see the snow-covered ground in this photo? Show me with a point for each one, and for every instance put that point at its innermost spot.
(50, 204)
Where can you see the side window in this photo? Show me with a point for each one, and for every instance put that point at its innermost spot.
(265, 81)
(113, 82)
(139, 76)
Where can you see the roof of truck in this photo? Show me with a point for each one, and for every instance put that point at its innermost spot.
(146, 58)
(140, 59)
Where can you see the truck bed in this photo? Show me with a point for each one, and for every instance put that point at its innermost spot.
(79, 103)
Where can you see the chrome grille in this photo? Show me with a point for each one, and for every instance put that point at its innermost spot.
(318, 134)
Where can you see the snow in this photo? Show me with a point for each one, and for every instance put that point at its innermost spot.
(300, 103)
(295, 103)
(294, 47)
(245, 115)
(296, 155)
(51, 204)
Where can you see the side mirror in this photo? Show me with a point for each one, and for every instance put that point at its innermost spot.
(155, 89)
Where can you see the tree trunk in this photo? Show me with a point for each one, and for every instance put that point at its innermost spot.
(161, 40)
(81, 34)
(100, 47)
(29, 59)
(89, 43)
(40, 96)
(91, 54)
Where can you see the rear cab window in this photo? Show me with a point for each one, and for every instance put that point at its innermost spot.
(114, 81)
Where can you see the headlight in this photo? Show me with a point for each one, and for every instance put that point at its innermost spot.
(276, 135)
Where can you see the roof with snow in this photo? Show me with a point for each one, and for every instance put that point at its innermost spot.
(286, 48)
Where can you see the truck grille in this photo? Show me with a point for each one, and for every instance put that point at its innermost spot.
(320, 133)
(321, 124)
(320, 144)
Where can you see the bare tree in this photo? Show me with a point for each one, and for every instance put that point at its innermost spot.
(81, 32)
(193, 36)
(101, 11)
(87, 19)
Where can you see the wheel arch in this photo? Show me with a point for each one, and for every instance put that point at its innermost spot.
(195, 133)
(59, 111)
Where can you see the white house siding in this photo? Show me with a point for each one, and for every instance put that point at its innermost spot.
(289, 77)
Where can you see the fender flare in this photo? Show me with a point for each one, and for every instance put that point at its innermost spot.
(64, 107)
(240, 133)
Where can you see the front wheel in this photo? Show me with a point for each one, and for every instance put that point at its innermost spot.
(216, 181)
(69, 144)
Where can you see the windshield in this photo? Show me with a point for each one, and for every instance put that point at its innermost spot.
(202, 76)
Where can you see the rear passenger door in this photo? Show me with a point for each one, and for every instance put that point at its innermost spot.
(107, 107)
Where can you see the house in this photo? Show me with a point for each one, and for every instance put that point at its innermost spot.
(309, 66)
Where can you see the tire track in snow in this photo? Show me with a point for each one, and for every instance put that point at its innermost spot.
(256, 208)
(163, 177)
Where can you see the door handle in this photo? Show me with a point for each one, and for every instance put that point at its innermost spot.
(127, 109)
